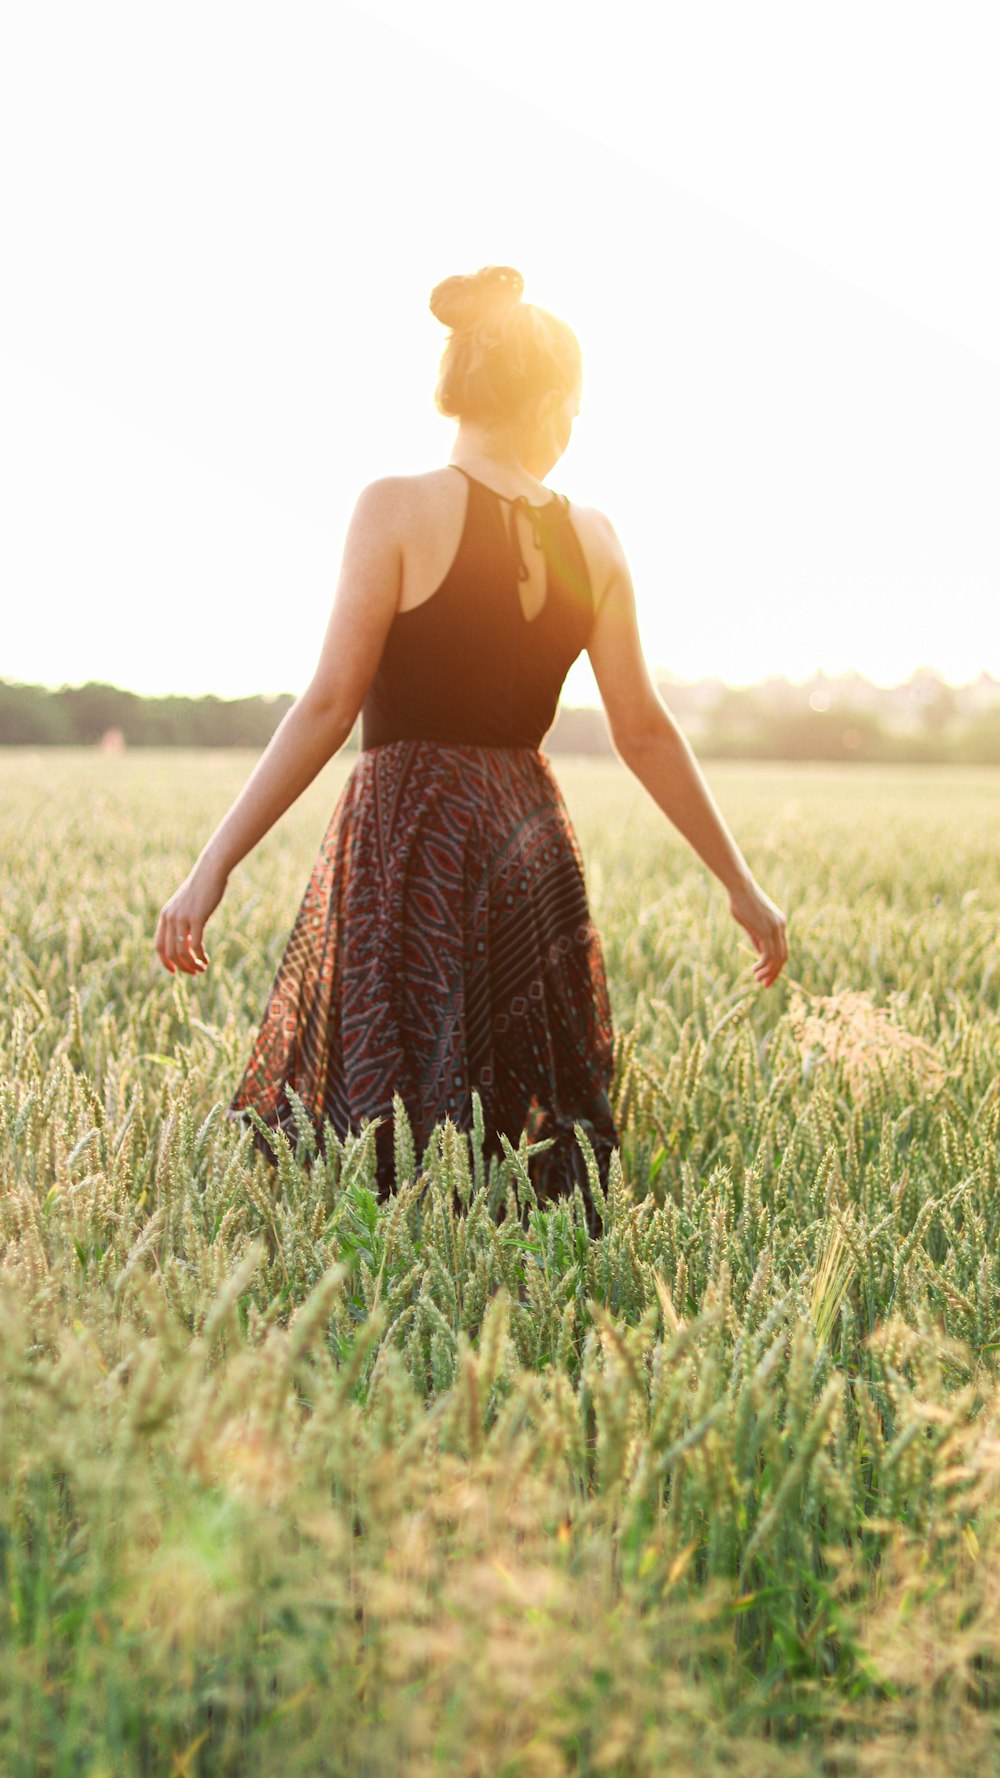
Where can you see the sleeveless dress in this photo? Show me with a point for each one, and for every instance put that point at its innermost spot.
(444, 942)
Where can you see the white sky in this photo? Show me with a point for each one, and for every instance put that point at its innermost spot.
(773, 227)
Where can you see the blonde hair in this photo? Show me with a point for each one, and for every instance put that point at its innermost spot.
(501, 352)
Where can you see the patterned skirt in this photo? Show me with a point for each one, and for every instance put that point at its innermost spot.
(444, 944)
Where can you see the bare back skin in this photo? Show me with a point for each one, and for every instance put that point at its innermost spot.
(431, 514)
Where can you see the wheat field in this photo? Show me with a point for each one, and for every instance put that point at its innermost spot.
(295, 1482)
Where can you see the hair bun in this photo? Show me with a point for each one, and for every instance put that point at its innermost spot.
(464, 300)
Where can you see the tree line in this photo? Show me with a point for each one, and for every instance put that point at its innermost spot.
(740, 724)
(85, 715)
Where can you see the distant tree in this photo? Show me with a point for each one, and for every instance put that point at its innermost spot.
(32, 717)
(938, 712)
(93, 708)
(979, 742)
(578, 731)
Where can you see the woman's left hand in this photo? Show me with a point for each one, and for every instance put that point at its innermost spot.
(767, 926)
(180, 928)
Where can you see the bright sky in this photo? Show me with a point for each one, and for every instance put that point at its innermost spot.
(772, 227)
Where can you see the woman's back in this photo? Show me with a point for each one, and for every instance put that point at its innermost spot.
(479, 657)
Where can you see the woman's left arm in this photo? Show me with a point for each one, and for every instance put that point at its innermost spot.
(311, 732)
(653, 746)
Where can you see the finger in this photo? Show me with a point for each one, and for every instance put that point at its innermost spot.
(189, 962)
(161, 943)
(767, 945)
(777, 964)
(181, 952)
(186, 960)
(766, 968)
(198, 942)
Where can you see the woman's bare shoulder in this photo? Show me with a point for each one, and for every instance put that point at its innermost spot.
(411, 502)
(396, 490)
(414, 487)
(601, 546)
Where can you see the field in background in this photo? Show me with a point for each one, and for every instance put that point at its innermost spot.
(293, 1481)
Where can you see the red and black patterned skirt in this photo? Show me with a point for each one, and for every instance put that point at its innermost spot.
(444, 944)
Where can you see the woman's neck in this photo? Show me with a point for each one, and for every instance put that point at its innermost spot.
(497, 458)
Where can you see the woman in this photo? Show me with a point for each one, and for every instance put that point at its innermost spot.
(444, 943)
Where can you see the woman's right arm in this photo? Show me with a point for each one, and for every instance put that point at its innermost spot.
(311, 732)
(654, 748)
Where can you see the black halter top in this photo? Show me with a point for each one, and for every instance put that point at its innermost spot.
(467, 667)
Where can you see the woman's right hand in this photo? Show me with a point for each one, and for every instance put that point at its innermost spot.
(767, 926)
(179, 940)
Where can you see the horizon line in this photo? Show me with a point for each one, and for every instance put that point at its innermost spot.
(661, 675)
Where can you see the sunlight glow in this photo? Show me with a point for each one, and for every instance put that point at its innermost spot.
(219, 333)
